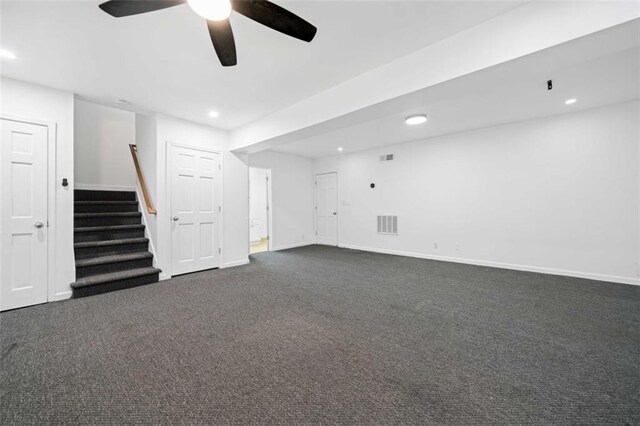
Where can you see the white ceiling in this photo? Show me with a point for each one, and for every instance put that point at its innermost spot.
(164, 62)
(599, 69)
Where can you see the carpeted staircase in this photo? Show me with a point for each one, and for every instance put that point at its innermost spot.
(111, 250)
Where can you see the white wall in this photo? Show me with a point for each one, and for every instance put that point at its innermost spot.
(146, 127)
(152, 135)
(292, 197)
(29, 101)
(146, 141)
(101, 155)
(557, 194)
(258, 200)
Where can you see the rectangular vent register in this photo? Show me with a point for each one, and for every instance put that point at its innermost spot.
(388, 225)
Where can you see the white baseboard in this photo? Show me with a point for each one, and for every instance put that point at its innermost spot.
(63, 295)
(99, 187)
(235, 263)
(538, 269)
(290, 246)
(164, 276)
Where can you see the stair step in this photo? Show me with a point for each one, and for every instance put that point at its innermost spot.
(83, 220)
(97, 214)
(92, 195)
(110, 242)
(114, 276)
(103, 248)
(108, 228)
(102, 233)
(112, 263)
(112, 258)
(105, 202)
(105, 206)
(103, 283)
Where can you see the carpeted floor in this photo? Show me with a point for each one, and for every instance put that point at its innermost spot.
(326, 335)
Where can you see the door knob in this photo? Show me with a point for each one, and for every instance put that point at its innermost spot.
(335, 213)
(175, 218)
(38, 225)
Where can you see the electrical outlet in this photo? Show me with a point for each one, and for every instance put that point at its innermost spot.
(435, 245)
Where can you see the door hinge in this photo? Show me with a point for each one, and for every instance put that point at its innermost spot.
(219, 250)
(219, 166)
(219, 209)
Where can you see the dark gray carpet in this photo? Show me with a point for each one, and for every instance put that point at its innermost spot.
(326, 335)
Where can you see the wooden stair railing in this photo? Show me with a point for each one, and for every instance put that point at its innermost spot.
(143, 186)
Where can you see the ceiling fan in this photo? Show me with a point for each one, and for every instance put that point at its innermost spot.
(217, 12)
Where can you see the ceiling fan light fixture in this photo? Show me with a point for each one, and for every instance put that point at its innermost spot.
(211, 10)
(217, 12)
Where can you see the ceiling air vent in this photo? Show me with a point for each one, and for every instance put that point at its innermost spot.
(387, 157)
(388, 225)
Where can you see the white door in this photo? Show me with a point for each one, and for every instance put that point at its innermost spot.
(23, 205)
(195, 210)
(327, 209)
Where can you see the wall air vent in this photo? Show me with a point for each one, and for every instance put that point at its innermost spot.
(388, 225)
(387, 157)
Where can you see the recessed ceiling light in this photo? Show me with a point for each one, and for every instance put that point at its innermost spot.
(214, 114)
(570, 101)
(412, 120)
(340, 149)
(7, 54)
(123, 102)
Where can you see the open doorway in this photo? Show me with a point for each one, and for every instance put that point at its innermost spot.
(259, 210)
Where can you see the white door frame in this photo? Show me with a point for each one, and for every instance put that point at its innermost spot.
(269, 207)
(167, 226)
(269, 210)
(315, 206)
(52, 142)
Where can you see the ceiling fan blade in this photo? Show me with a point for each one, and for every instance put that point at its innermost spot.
(275, 17)
(222, 38)
(120, 8)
